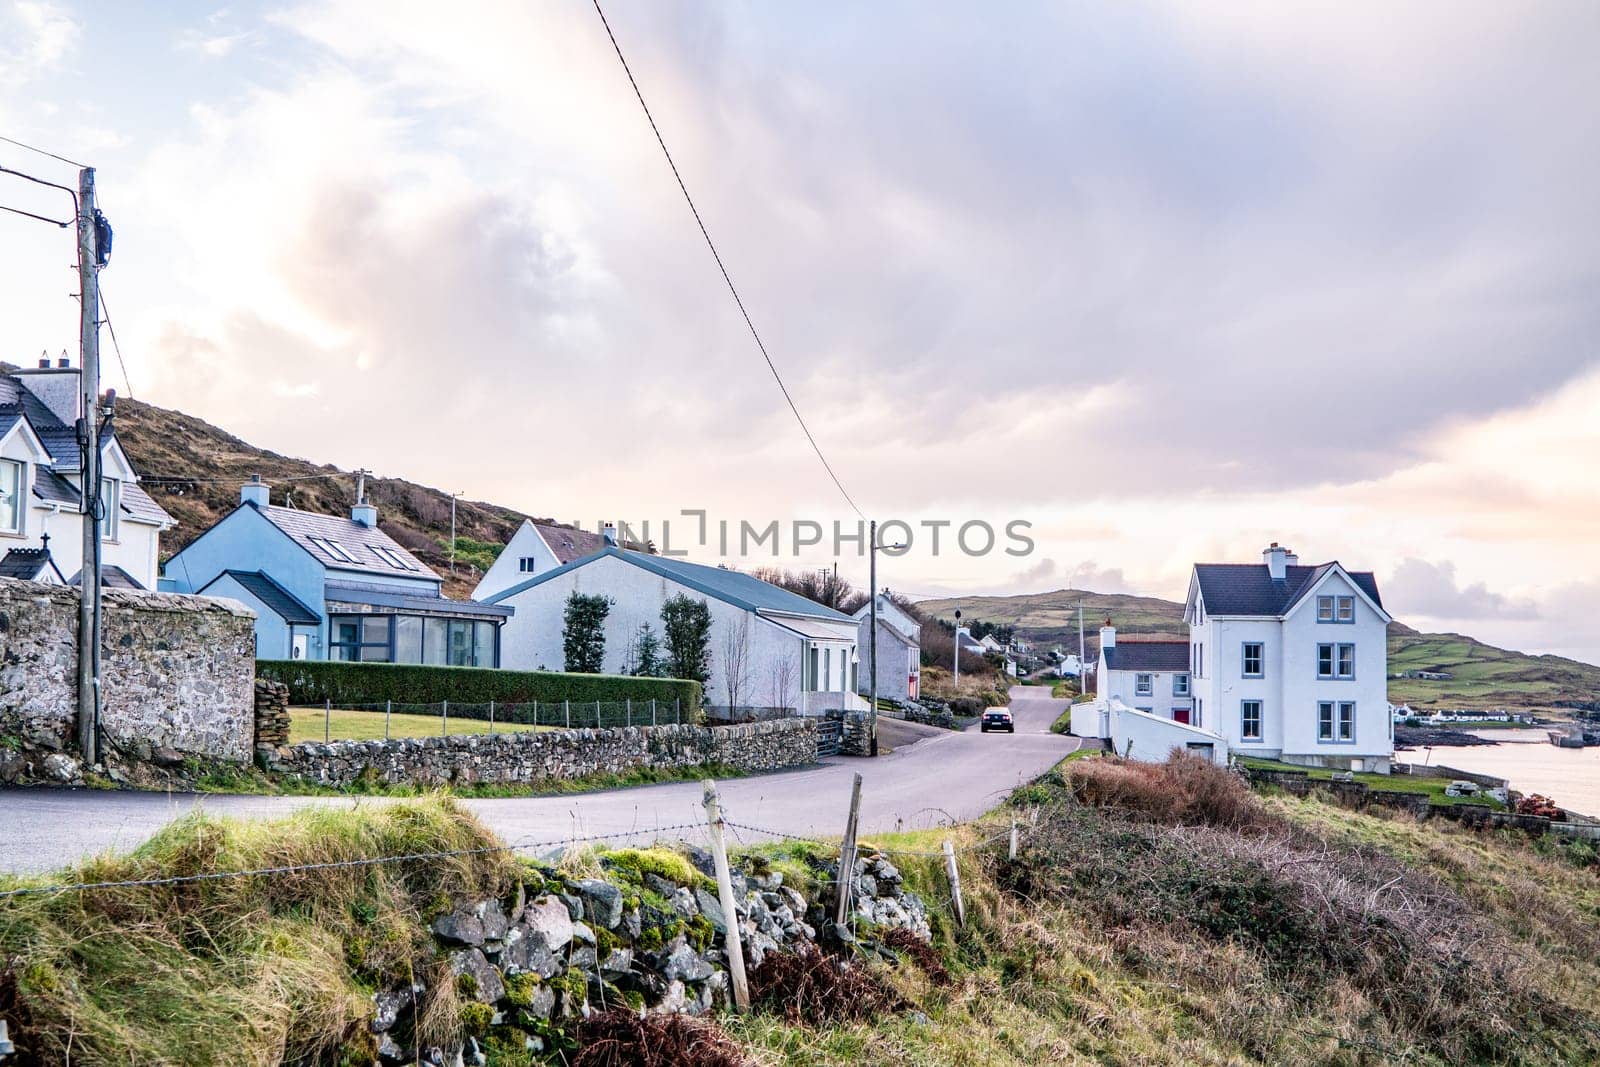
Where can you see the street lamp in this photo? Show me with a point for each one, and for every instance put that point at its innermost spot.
(957, 679)
(872, 634)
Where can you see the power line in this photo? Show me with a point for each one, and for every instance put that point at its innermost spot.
(41, 218)
(41, 151)
(234, 481)
(718, 257)
(114, 344)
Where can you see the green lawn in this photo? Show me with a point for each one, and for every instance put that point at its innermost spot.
(1433, 788)
(368, 726)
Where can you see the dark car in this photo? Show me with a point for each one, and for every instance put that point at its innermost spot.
(997, 719)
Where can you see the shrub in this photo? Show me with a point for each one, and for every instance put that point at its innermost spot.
(919, 952)
(313, 681)
(1187, 789)
(812, 987)
(583, 637)
(622, 1038)
(967, 706)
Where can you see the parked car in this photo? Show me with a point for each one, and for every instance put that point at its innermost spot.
(997, 719)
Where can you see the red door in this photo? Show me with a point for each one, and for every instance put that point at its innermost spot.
(1180, 715)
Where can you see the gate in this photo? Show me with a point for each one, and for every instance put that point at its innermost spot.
(830, 733)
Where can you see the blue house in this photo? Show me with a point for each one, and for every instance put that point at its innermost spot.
(327, 587)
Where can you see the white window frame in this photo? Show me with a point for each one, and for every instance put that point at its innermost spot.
(111, 504)
(527, 564)
(1144, 685)
(1333, 659)
(21, 492)
(1344, 657)
(1324, 609)
(1325, 722)
(1180, 685)
(1244, 659)
(1244, 720)
(1345, 609)
(1346, 722)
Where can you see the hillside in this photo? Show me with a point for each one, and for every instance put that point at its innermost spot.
(1484, 676)
(194, 470)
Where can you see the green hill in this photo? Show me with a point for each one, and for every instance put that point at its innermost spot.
(1483, 676)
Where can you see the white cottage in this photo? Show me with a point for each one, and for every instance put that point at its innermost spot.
(899, 650)
(41, 481)
(535, 549)
(768, 646)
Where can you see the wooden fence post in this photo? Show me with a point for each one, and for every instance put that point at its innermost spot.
(566, 710)
(628, 704)
(597, 715)
(491, 718)
(652, 711)
(388, 711)
(955, 883)
(730, 916)
(327, 719)
(847, 856)
(444, 718)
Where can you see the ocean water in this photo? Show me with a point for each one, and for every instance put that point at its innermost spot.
(1527, 759)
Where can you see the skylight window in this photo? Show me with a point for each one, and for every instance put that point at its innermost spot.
(391, 557)
(333, 548)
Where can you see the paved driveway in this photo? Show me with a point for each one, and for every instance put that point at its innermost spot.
(952, 776)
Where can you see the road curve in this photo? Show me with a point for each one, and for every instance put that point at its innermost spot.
(948, 777)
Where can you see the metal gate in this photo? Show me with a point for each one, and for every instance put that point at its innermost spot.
(830, 734)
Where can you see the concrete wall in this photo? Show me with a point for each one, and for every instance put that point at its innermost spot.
(1143, 736)
(177, 676)
(898, 661)
(533, 757)
(1160, 701)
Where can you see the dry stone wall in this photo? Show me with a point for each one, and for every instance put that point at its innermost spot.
(176, 681)
(530, 757)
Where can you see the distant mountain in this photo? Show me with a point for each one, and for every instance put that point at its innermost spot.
(1482, 675)
(195, 469)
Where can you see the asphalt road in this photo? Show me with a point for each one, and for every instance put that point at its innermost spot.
(944, 777)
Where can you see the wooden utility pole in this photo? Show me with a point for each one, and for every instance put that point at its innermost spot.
(847, 856)
(730, 916)
(954, 875)
(89, 443)
(872, 633)
(453, 497)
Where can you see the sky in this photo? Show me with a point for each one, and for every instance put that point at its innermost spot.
(1166, 282)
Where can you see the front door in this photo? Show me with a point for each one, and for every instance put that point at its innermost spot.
(300, 646)
(1180, 715)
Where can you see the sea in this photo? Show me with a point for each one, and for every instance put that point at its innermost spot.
(1527, 759)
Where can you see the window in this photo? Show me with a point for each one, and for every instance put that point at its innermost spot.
(360, 637)
(1324, 609)
(435, 641)
(1325, 657)
(1199, 713)
(333, 548)
(527, 564)
(1180, 685)
(811, 669)
(1347, 721)
(408, 639)
(1325, 720)
(11, 481)
(389, 556)
(827, 668)
(111, 508)
(1336, 609)
(1346, 607)
(1142, 685)
(1250, 720)
(1347, 661)
(1253, 666)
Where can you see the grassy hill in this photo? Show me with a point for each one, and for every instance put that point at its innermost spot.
(194, 470)
(1484, 676)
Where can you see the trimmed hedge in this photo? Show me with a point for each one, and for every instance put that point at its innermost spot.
(314, 681)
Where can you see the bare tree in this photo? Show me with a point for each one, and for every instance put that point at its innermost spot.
(736, 658)
(782, 678)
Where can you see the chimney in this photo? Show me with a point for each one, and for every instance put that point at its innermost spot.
(63, 363)
(1108, 636)
(255, 492)
(1277, 559)
(55, 387)
(44, 362)
(362, 512)
(609, 532)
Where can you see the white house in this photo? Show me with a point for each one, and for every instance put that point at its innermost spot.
(899, 650)
(534, 549)
(768, 646)
(1285, 661)
(1150, 676)
(41, 479)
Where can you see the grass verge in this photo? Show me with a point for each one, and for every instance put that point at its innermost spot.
(307, 724)
(1432, 788)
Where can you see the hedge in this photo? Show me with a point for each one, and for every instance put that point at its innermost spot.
(314, 681)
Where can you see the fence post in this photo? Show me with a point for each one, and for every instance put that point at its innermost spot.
(1011, 853)
(730, 916)
(388, 710)
(597, 715)
(444, 718)
(954, 875)
(677, 710)
(491, 718)
(847, 857)
(327, 719)
(566, 709)
(628, 710)
(652, 711)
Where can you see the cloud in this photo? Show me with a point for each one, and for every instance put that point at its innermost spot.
(1431, 590)
(34, 37)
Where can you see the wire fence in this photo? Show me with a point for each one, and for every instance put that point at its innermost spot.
(393, 719)
(740, 713)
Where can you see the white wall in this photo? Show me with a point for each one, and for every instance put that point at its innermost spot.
(1152, 737)
(1123, 685)
(532, 638)
(506, 571)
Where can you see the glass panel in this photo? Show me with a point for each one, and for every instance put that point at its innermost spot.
(407, 639)
(1324, 609)
(375, 630)
(375, 653)
(10, 496)
(1347, 609)
(827, 668)
(460, 643)
(346, 631)
(109, 501)
(435, 639)
(483, 646)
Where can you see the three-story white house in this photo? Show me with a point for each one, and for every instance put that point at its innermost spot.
(1291, 662)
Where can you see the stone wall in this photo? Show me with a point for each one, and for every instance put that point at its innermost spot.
(176, 680)
(530, 757)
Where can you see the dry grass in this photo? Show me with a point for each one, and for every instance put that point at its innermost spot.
(1186, 790)
(812, 987)
(626, 1039)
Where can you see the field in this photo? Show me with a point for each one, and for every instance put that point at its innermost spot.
(1432, 788)
(368, 726)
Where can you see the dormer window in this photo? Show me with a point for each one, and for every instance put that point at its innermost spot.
(11, 486)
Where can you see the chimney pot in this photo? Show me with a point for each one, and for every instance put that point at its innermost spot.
(63, 363)
(44, 364)
(609, 532)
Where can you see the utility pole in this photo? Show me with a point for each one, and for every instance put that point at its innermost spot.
(453, 531)
(361, 485)
(89, 442)
(956, 679)
(1081, 652)
(872, 637)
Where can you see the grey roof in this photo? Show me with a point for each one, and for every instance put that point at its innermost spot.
(1152, 656)
(139, 507)
(385, 597)
(27, 564)
(732, 587)
(111, 577)
(287, 606)
(10, 415)
(361, 542)
(569, 544)
(52, 488)
(1249, 588)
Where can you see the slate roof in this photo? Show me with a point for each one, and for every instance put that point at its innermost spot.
(1150, 656)
(361, 542)
(288, 607)
(568, 544)
(111, 577)
(1249, 589)
(386, 597)
(10, 415)
(54, 489)
(731, 587)
(27, 564)
(138, 505)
